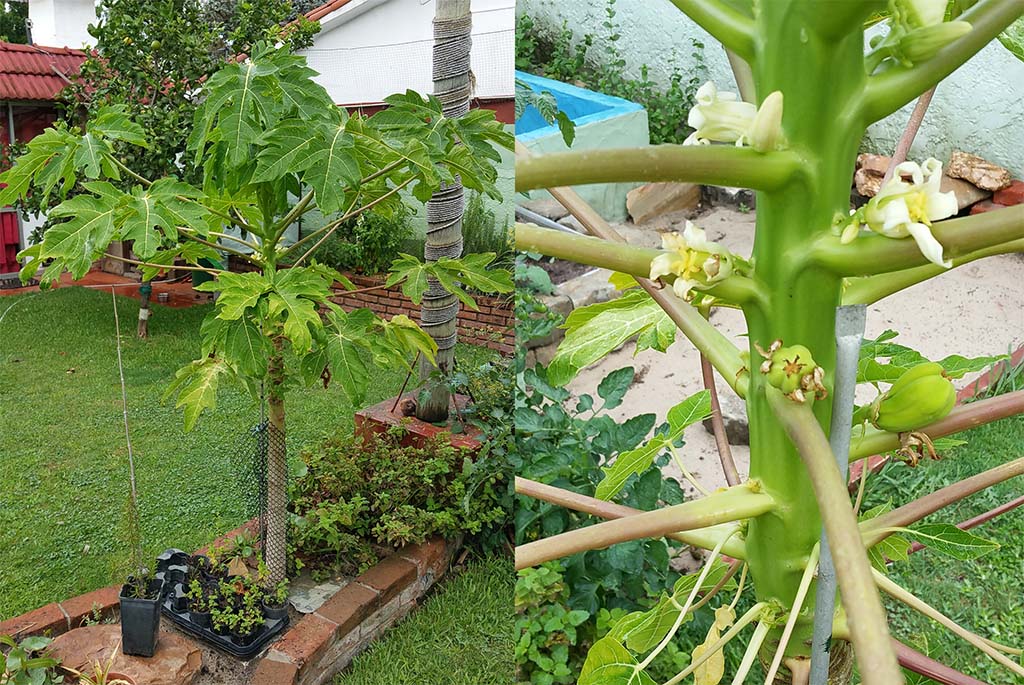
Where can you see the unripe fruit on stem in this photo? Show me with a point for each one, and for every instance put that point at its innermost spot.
(793, 371)
(920, 396)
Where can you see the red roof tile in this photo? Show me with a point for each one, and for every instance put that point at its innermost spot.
(318, 13)
(32, 72)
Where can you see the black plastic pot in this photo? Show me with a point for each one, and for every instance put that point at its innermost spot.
(245, 640)
(140, 620)
(200, 618)
(273, 612)
(179, 602)
(176, 574)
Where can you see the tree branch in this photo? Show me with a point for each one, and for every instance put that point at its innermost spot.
(912, 660)
(734, 504)
(628, 259)
(185, 233)
(731, 28)
(887, 92)
(876, 254)
(723, 165)
(875, 441)
(164, 267)
(923, 608)
(707, 372)
(866, 616)
(706, 538)
(977, 520)
(871, 289)
(877, 529)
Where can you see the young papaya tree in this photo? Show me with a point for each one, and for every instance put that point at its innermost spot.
(272, 146)
(817, 90)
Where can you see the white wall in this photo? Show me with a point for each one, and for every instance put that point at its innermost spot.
(62, 23)
(979, 108)
(370, 49)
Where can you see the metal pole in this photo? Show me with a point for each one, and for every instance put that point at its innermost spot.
(849, 333)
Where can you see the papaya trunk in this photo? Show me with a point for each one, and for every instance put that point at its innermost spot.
(453, 87)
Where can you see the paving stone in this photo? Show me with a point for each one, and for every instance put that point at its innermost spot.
(176, 661)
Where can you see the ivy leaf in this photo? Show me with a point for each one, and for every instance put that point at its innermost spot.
(609, 663)
(596, 330)
(947, 539)
(691, 410)
(196, 387)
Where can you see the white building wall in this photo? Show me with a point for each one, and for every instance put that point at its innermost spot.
(370, 49)
(62, 23)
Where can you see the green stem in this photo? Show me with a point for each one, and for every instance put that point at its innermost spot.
(165, 267)
(888, 92)
(794, 613)
(733, 29)
(876, 254)
(627, 259)
(753, 613)
(871, 289)
(925, 609)
(185, 233)
(705, 538)
(723, 165)
(734, 504)
(298, 210)
(749, 656)
(877, 529)
(859, 597)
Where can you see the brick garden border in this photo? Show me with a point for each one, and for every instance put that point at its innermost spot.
(320, 644)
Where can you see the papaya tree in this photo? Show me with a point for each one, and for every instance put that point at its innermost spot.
(272, 146)
(816, 90)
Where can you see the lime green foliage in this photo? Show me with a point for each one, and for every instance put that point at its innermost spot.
(1013, 38)
(351, 498)
(462, 635)
(557, 54)
(471, 271)
(982, 594)
(546, 628)
(546, 105)
(61, 436)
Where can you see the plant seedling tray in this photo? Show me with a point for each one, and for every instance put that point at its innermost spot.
(225, 643)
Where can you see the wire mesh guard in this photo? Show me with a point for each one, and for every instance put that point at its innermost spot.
(250, 466)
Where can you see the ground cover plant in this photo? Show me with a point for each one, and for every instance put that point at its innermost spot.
(67, 486)
(272, 145)
(440, 643)
(813, 265)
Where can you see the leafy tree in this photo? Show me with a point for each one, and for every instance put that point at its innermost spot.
(263, 131)
(243, 24)
(13, 16)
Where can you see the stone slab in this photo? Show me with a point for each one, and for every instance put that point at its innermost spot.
(176, 661)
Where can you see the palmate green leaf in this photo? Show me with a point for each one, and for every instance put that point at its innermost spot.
(238, 292)
(596, 330)
(404, 334)
(284, 150)
(641, 631)
(294, 298)
(691, 410)
(900, 359)
(74, 244)
(113, 123)
(412, 274)
(331, 167)
(947, 539)
(139, 222)
(245, 348)
(473, 270)
(609, 663)
(196, 388)
(346, 334)
(48, 161)
(1013, 38)
(93, 156)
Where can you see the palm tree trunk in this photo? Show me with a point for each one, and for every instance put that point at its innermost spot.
(452, 85)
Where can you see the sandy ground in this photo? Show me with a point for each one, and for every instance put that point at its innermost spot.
(982, 305)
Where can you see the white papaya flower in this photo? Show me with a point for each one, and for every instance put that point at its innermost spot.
(902, 209)
(692, 259)
(721, 117)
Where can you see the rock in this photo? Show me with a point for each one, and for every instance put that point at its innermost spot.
(867, 182)
(985, 206)
(176, 662)
(967, 194)
(874, 164)
(734, 416)
(574, 223)
(734, 197)
(590, 288)
(1011, 195)
(547, 207)
(655, 199)
(985, 175)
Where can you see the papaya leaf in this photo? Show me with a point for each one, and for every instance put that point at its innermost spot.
(947, 539)
(609, 663)
(196, 388)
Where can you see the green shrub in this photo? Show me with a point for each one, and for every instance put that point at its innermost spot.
(553, 52)
(367, 244)
(351, 499)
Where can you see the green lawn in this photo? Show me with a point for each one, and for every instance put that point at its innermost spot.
(63, 459)
(461, 636)
(985, 595)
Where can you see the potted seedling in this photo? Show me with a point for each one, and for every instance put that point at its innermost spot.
(275, 602)
(199, 603)
(140, 614)
(249, 621)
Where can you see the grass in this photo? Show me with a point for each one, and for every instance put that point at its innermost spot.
(463, 635)
(63, 458)
(984, 595)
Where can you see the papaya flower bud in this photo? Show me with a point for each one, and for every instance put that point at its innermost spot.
(922, 44)
(692, 259)
(719, 117)
(902, 209)
(766, 129)
(914, 14)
